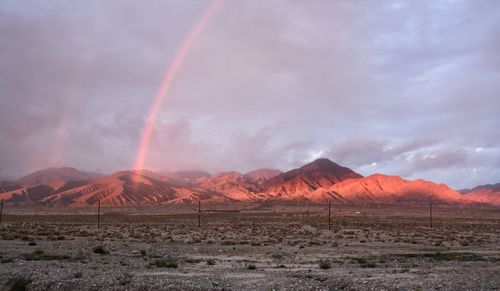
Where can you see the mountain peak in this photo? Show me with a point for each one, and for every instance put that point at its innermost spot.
(321, 173)
(327, 167)
(51, 175)
(322, 163)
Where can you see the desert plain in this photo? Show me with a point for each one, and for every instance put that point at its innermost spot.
(252, 247)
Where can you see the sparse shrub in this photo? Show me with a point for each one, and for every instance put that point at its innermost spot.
(100, 250)
(192, 261)
(210, 262)
(26, 238)
(277, 256)
(365, 263)
(78, 275)
(8, 236)
(80, 257)
(20, 283)
(165, 263)
(125, 279)
(39, 255)
(323, 264)
(6, 260)
(444, 256)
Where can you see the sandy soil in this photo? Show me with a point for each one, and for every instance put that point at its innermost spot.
(379, 248)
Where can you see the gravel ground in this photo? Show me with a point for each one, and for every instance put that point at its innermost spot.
(252, 251)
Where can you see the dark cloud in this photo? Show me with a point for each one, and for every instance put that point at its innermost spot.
(409, 88)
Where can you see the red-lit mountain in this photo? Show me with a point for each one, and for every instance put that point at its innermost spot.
(489, 194)
(386, 189)
(6, 186)
(52, 175)
(187, 176)
(297, 183)
(127, 188)
(233, 185)
(319, 181)
(262, 175)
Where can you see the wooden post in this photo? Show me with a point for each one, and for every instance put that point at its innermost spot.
(1, 210)
(329, 215)
(98, 213)
(199, 213)
(430, 212)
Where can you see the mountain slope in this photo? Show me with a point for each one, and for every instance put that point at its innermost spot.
(6, 186)
(262, 175)
(489, 194)
(386, 189)
(297, 183)
(188, 176)
(28, 195)
(126, 188)
(232, 185)
(52, 175)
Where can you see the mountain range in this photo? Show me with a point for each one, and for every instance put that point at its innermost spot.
(319, 181)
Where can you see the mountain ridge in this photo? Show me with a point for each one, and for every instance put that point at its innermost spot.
(54, 174)
(319, 181)
(489, 194)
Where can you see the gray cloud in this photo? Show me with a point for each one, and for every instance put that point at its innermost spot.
(411, 86)
(437, 159)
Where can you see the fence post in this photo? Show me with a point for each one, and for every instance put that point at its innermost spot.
(1, 211)
(199, 213)
(430, 212)
(329, 215)
(98, 213)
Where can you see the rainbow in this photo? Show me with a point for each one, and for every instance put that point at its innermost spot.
(166, 83)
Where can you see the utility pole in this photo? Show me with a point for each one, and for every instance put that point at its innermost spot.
(329, 215)
(430, 212)
(98, 213)
(1, 210)
(199, 213)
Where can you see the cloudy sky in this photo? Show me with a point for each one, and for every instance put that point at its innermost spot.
(399, 87)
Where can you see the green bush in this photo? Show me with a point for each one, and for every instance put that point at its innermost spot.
(100, 250)
(20, 283)
(165, 263)
(325, 264)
